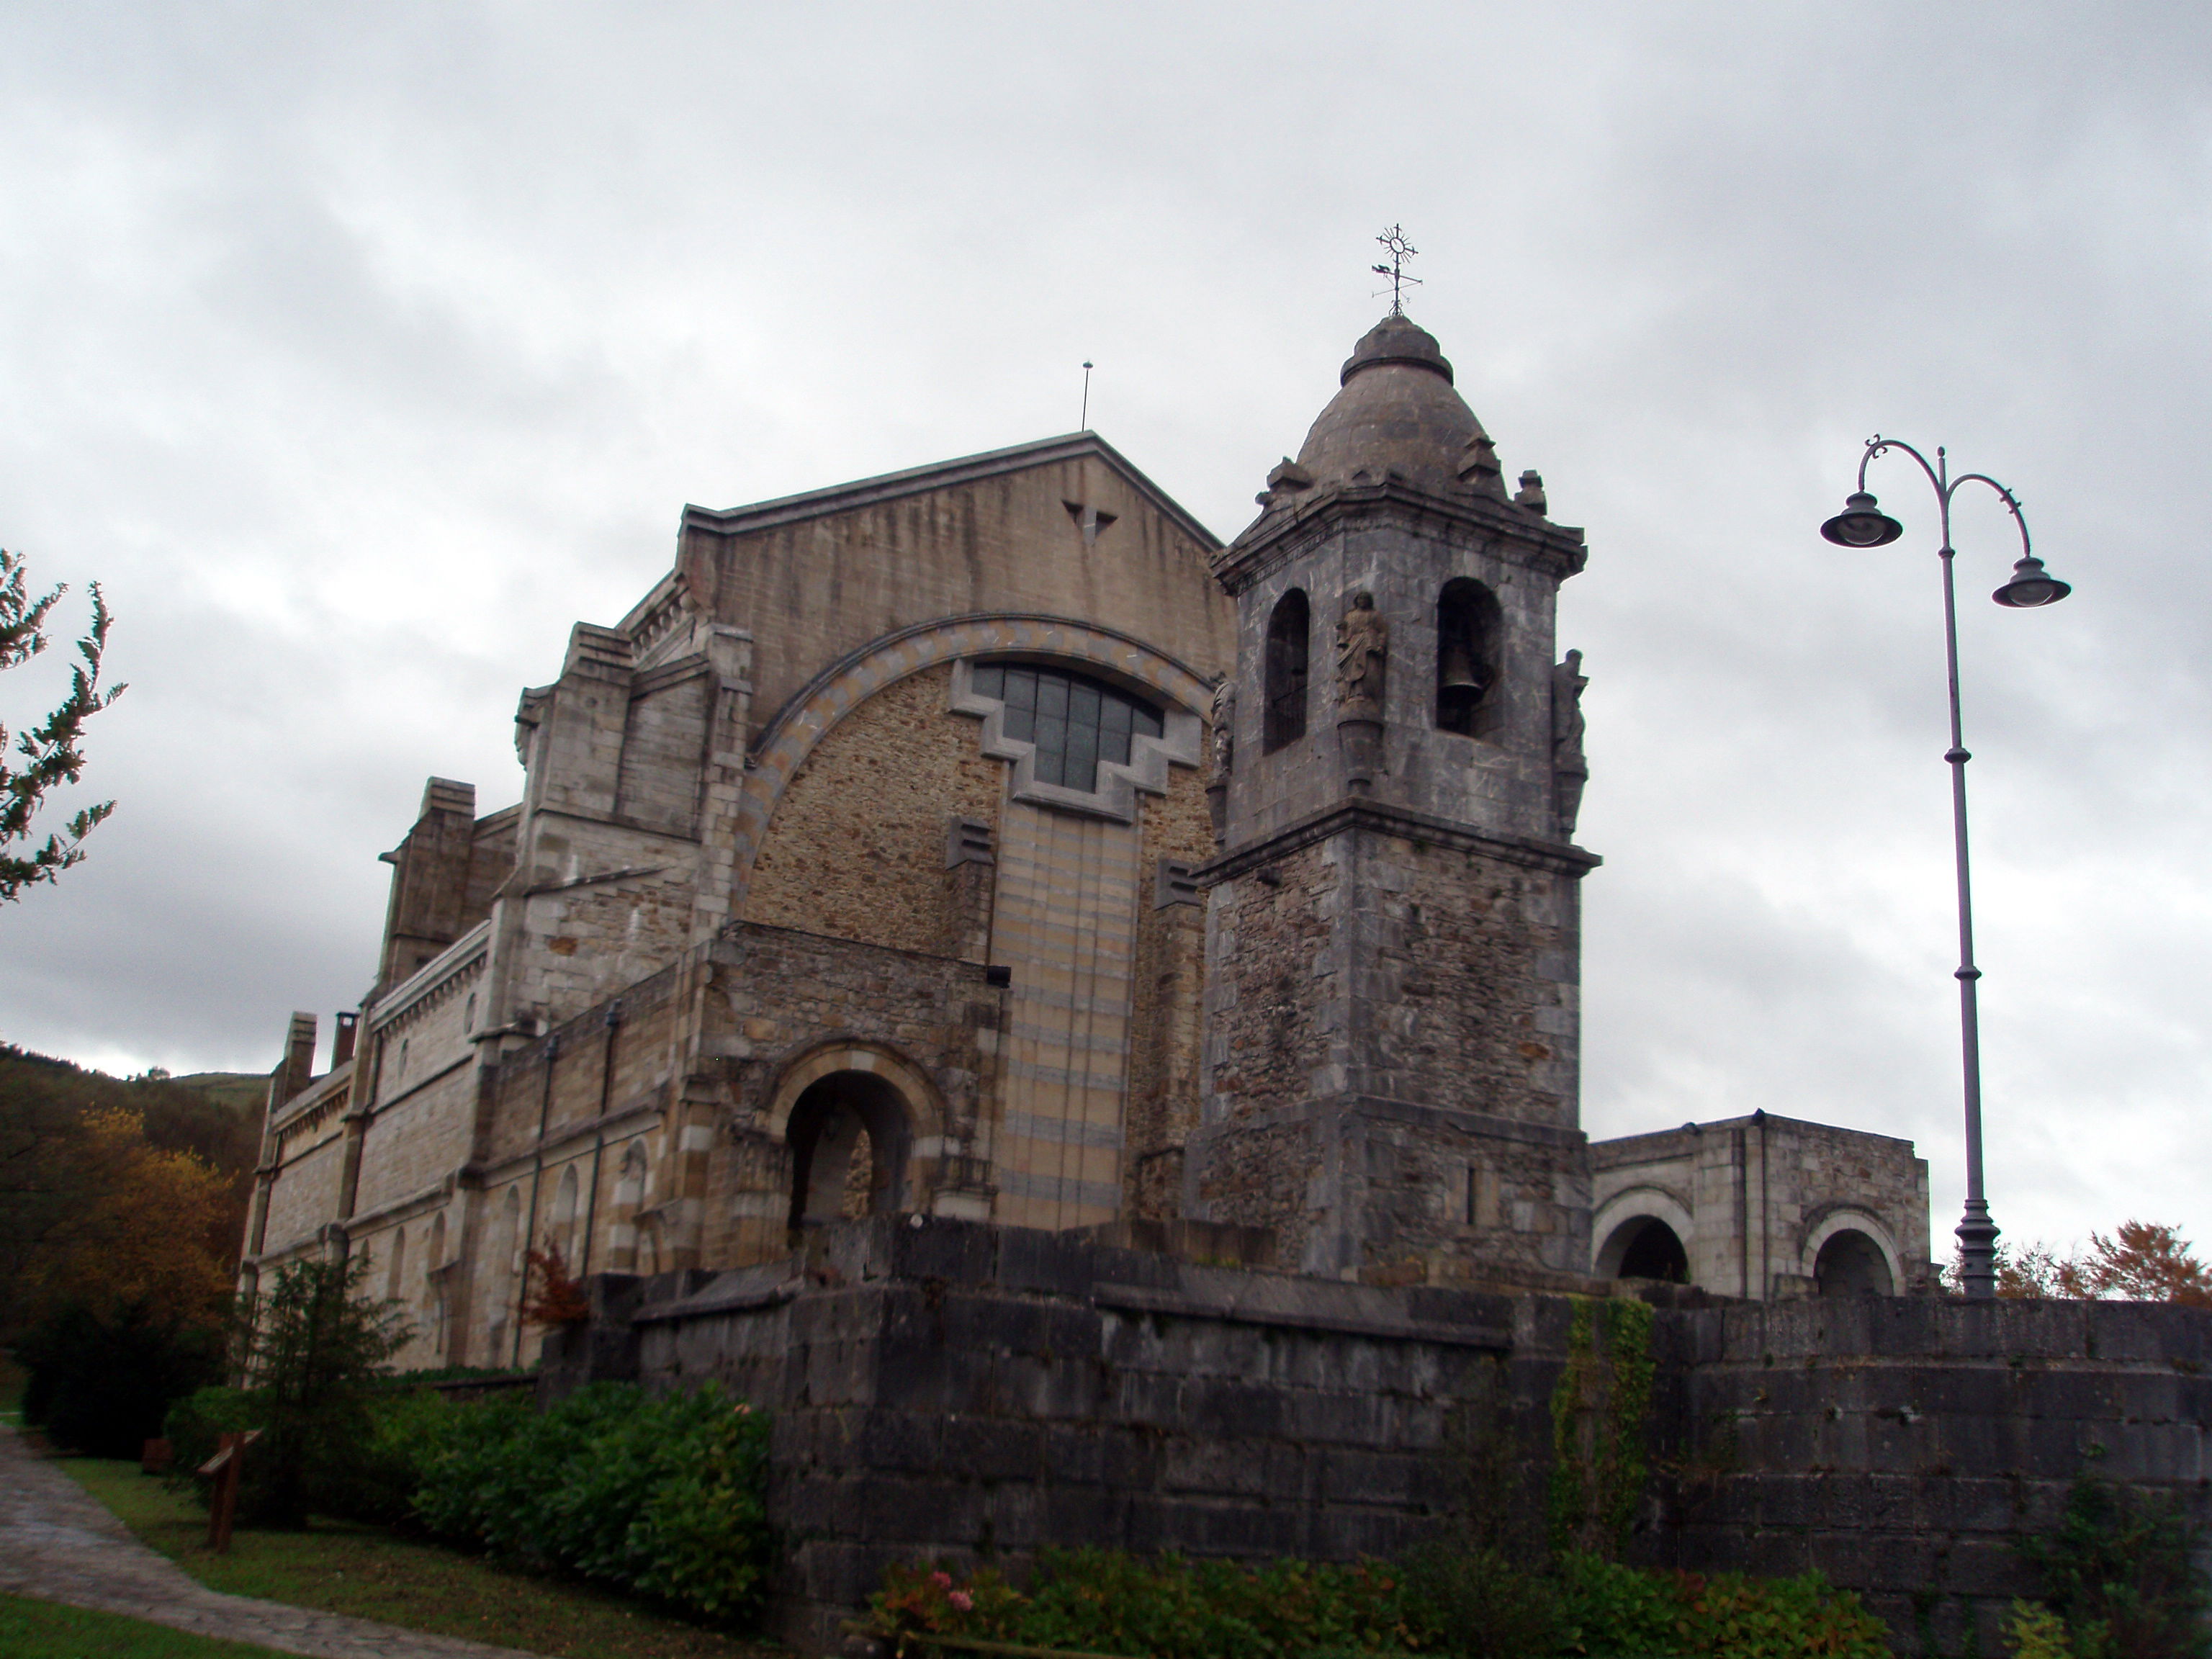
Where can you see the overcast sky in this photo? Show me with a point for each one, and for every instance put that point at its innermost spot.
(361, 350)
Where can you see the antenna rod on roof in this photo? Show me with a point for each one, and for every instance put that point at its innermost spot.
(1084, 424)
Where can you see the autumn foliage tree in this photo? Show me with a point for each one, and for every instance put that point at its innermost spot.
(2138, 1262)
(129, 1287)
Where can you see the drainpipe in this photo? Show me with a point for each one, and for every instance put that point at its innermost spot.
(599, 1143)
(537, 1174)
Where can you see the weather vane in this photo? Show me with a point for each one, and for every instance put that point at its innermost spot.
(1401, 251)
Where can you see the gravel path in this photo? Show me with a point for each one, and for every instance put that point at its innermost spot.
(59, 1544)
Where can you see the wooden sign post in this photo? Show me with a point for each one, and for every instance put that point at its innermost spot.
(226, 1467)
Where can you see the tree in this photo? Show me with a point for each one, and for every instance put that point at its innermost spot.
(129, 1279)
(2140, 1262)
(49, 750)
(147, 1226)
(311, 1349)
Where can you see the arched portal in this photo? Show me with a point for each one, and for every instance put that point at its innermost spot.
(848, 1132)
(1852, 1264)
(1645, 1247)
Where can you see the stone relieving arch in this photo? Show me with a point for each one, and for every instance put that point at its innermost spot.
(788, 739)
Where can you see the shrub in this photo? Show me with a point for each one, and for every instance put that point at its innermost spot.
(1476, 1603)
(1470, 1604)
(1109, 1601)
(2035, 1631)
(101, 1383)
(663, 1498)
(2118, 1570)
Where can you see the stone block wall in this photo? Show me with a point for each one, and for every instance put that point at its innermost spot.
(949, 1389)
(1902, 1446)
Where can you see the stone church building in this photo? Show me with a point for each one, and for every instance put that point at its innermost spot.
(989, 841)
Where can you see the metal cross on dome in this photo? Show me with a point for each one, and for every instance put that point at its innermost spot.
(1401, 251)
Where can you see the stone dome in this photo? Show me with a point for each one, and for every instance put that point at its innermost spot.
(1397, 413)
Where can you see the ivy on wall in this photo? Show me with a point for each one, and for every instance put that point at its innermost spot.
(1600, 1416)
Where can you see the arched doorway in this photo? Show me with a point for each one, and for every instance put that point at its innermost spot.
(1852, 1264)
(1645, 1247)
(849, 1134)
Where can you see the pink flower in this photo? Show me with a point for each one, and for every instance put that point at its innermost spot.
(942, 1580)
(962, 1600)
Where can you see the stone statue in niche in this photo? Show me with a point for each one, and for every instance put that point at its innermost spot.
(1570, 770)
(1225, 727)
(1362, 649)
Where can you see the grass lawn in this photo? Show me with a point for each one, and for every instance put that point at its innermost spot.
(45, 1630)
(374, 1574)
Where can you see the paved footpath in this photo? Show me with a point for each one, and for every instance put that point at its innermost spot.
(60, 1544)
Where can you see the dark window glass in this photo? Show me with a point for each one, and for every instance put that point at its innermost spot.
(1074, 721)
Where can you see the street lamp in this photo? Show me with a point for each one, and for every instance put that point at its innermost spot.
(1863, 524)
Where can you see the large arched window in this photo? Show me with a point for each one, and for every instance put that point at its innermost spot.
(1074, 720)
(1468, 627)
(1288, 631)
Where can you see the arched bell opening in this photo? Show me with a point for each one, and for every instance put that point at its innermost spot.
(1645, 1247)
(1852, 1264)
(848, 1135)
(1469, 626)
(1289, 635)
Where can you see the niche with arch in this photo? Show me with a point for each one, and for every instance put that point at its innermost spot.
(1470, 628)
(506, 1267)
(629, 1198)
(562, 1233)
(848, 1132)
(1289, 648)
(434, 1289)
(1852, 1264)
(395, 1265)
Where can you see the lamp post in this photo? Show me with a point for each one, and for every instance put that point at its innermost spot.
(1863, 524)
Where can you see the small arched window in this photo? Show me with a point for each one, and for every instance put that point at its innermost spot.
(1074, 720)
(395, 1265)
(1288, 631)
(1469, 625)
(562, 1234)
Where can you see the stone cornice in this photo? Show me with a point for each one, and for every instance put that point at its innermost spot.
(1559, 857)
(1556, 550)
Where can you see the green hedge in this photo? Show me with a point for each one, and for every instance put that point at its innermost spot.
(662, 1497)
(1456, 1604)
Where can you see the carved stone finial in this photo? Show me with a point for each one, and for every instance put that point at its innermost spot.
(1531, 494)
(1363, 650)
(1478, 462)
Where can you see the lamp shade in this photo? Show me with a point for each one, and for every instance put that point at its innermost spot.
(2031, 586)
(1861, 524)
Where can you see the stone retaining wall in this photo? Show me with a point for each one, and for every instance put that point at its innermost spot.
(960, 1390)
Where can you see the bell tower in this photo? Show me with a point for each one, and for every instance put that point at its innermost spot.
(1393, 935)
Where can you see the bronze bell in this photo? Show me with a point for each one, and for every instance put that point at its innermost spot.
(1459, 673)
